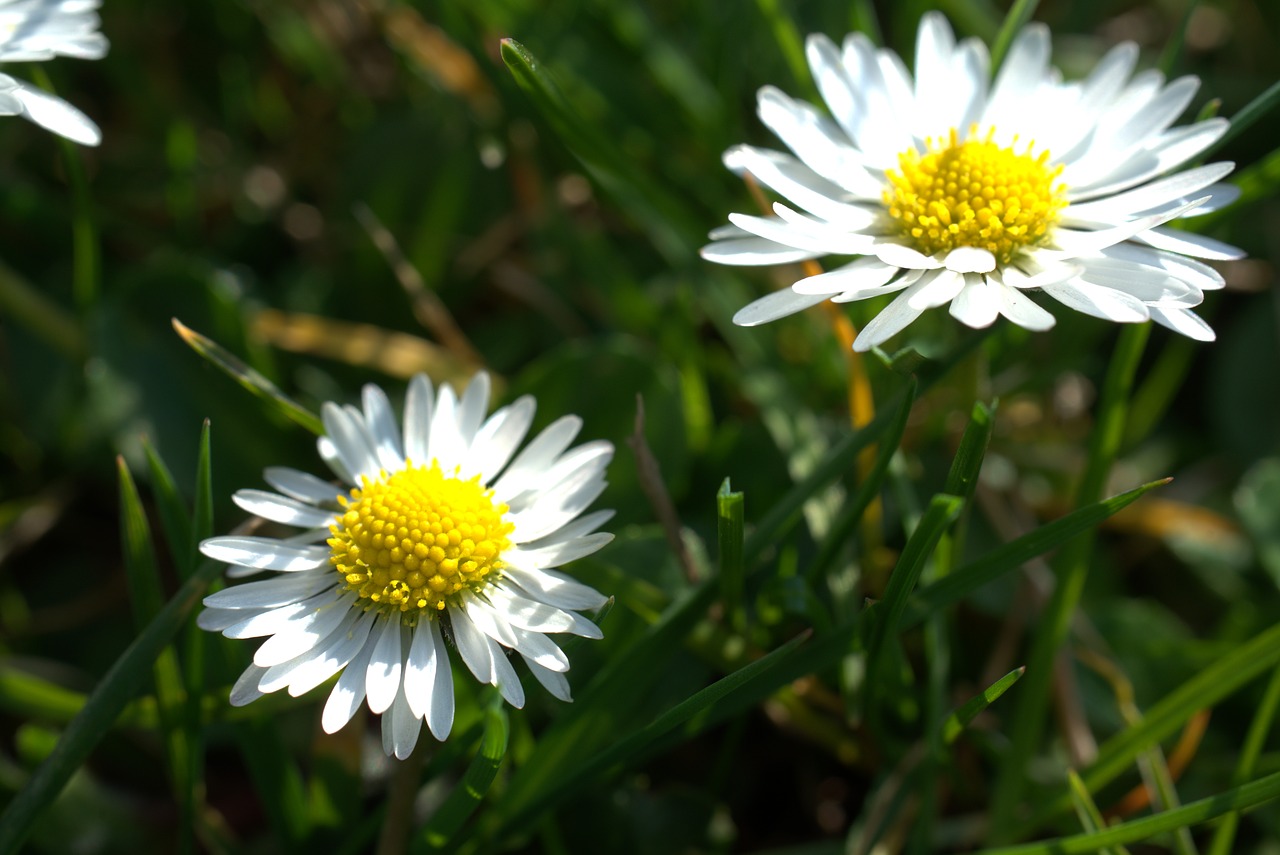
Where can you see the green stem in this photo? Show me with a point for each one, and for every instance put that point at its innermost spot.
(1072, 568)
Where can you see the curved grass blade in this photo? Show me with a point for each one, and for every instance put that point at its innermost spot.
(1205, 689)
(961, 718)
(475, 783)
(248, 377)
(1087, 811)
(1238, 799)
(175, 519)
(120, 684)
(1012, 555)
(1224, 837)
(1017, 18)
(942, 510)
(1252, 112)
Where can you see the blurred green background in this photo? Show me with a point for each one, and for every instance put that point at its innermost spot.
(242, 141)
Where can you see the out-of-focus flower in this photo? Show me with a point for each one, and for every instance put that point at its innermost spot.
(949, 190)
(36, 30)
(445, 534)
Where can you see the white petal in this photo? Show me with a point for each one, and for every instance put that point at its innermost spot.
(281, 509)
(265, 553)
(440, 715)
(1192, 272)
(471, 410)
(801, 185)
(270, 593)
(418, 406)
(754, 251)
(970, 259)
(246, 691)
(1150, 195)
(539, 617)
(892, 319)
(813, 236)
(347, 643)
(1183, 321)
(351, 440)
(1018, 307)
(904, 256)
(1105, 303)
(905, 279)
(976, 304)
(567, 550)
(776, 305)
(420, 667)
(217, 620)
(499, 438)
(551, 510)
(818, 142)
(472, 645)
(56, 115)
(400, 729)
(301, 485)
(446, 443)
(348, 693)
(1074, 243)
(536, 647)
(937, 290)
(866, 273)
(505, 676)
(539, 454)
(382, 426)
(581, 527)
(487, 620)
(1188, 243)
(554, 683)
(553, 588)
(1174, 148)
(303, 634)
(382, 677)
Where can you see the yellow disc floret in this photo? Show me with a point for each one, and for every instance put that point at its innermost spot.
(410, 541)
(974, 193)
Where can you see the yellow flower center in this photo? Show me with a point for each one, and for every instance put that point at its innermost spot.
(412, 540)
(975, 194)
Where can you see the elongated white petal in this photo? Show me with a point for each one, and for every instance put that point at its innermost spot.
(539, 617)
(472, 645)
(536, 647)
(265, 553)
(867, 273)
(420, 668)
(302, 485)
(779, 304)
(383, 428)
(499, 438)
(473, 406)
(281, 509)
(814, 237)
(1183, 321)
(270, 593)
(1105, 303)
(446, 441)
(536, 457)
(419, 404)
(347, 642)
(348, 693)
(567, 550)
(970, 259)
(440, 714)
(1188, 243)
(488, 620)
(580, 527)
(801, 185)
(400, 729)
(976, 304)
(246, 691)
(303, 634)
(56, 115)
(351, 441)
(936, 291)
(383, 674)
(552, 681)
(753, 252)
(553, 588)
(504, 676)
(1019, 308)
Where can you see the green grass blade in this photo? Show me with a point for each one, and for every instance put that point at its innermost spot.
(1238, 799)
(790, 42)
(1087, 811)
(1072, 566)
(606, 762)
(1017, 18)
(961, 718)
(1248, 116)
(145, 591)
(44, 318)
(846, 521)
(248, 377)
(1012, 555)
(962, 478)
(663, 217)
(942, 510)
(1202, 691)
(195, 645)
(729, 536)
(120, 684)
(175, 519)
(202, 515)
(475, 783)
(1255, 739)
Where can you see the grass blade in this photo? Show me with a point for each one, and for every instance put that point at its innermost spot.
(475, 783)
(730, 535)
(1017, 18)
(1224, 837)
(942, 510)
(248, 377)
(1249, 115)
(961, 718)
(1238, 799)
(175, 519)
(120, 684)
(1087, 811)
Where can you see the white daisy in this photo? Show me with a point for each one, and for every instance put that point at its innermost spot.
(36, 30)
(446, 534)
(952, 191)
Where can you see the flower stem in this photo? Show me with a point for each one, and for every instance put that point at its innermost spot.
(1072, 567)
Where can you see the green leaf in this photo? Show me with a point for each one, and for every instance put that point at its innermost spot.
(962, 479)
(1015, 553)
(730, 534)
(942, 510)
(121, 684)
(175, 519)
(1254, 741)
(960, 719)
(248, 378)
(1202, 691)
(1238, 799)
(846, 521)
(1087, 811)
(475, 783)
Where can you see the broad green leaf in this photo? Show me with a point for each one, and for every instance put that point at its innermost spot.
(248, 377)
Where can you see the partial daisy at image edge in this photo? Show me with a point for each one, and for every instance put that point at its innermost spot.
(39, 30)
(445, 532)
(950, 191)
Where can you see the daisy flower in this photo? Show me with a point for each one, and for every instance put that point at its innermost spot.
(36, 30)
(440, 535)
(952, 191)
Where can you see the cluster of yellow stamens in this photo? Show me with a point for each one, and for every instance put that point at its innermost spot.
(974, 193)
(410, 541)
